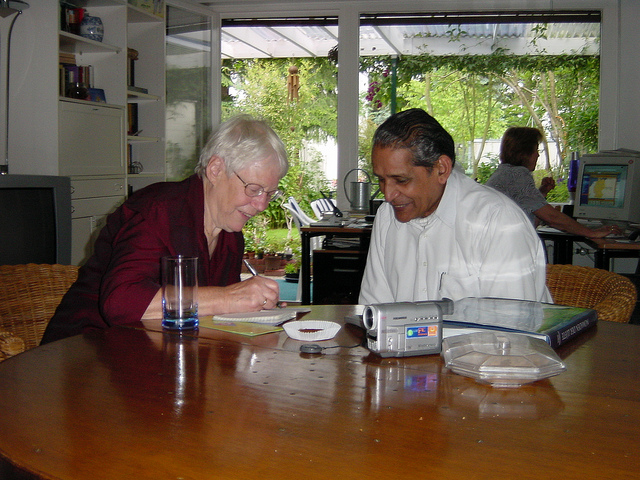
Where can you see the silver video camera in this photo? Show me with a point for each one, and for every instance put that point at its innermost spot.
(405, 329)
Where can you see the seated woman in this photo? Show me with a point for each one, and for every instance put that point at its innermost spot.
(518, 157)
(237, 176)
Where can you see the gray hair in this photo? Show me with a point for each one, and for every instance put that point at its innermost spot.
(239, 142)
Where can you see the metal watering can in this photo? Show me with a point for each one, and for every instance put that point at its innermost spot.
(359, 193)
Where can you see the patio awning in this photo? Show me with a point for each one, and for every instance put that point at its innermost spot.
(518, 33)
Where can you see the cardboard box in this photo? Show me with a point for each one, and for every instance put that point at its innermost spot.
(155, 7)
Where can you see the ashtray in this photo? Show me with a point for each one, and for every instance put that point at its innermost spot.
(311, 330)
(501, 359)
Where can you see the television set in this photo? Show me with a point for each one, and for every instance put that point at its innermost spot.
(35, 219)
(608, 188)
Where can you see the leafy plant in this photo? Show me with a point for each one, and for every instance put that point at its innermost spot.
(292, 268)
(486, 169)
(255, 232)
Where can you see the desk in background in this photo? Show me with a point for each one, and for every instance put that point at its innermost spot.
(604, 249)
(141, 403)
(562, 244)
(306, 233)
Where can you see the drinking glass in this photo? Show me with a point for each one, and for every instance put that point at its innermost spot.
(180, 292)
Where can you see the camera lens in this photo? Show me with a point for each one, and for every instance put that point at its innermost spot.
(369, 318)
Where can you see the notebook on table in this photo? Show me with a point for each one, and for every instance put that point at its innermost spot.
(268, 317)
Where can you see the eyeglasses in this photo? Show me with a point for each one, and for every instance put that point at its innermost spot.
(255, 190)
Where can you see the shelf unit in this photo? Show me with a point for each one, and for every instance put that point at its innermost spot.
(93, 146)
(146, 34)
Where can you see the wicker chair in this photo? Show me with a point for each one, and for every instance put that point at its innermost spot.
(10, 345)
(610, 294)
(29, 295)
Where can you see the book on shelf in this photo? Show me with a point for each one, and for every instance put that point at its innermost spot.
(132, 56)
(71, 74)
(132, 113)
(555, 324)
(67, 58)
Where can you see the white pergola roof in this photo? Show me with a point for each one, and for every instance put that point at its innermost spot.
(283, 38)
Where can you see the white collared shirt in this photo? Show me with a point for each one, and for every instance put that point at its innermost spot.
(478, 243)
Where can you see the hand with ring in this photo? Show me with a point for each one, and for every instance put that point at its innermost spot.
(250, 295)
(605, 230)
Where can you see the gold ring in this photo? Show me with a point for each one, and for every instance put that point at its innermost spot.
(265, 302)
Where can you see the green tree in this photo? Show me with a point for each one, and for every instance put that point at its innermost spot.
(259, 87)
(478, 96)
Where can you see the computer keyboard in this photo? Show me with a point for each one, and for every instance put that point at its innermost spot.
(626, 236)
(547, 229)
(622, 236)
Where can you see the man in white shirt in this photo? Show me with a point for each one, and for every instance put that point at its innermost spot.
(440, 234)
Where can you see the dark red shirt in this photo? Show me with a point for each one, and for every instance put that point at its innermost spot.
(118, 282)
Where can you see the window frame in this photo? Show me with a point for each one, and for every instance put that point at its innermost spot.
(349, 13)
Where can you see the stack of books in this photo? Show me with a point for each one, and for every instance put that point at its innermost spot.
(71, 73)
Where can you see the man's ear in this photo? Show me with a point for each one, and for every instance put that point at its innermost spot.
(443, 167)
(215, 168)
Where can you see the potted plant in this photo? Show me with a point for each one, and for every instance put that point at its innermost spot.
(292, 271)
(254, 237)
(271, 260)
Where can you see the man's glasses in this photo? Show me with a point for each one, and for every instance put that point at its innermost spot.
(255, 190)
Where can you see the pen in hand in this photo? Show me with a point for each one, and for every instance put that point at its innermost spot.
(254, 272)
(250, 267)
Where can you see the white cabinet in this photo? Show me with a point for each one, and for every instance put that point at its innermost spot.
(92, 199)
(91, 152)
(91, 139)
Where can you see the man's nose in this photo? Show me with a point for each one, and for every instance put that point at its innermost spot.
(389, 193)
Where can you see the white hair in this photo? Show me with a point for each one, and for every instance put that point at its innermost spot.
(240, 141)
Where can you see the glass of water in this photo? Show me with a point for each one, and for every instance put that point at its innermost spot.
(180, 292)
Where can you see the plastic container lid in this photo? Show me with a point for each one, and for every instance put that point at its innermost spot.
(501, 359)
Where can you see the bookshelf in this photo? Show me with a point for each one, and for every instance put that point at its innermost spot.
(146, 35)
(97, 147)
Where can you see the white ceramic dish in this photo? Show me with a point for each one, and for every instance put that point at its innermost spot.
(311, 330)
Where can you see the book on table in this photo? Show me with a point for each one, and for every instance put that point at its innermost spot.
(556, 324)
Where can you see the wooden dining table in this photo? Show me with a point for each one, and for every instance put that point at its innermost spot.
(137, 402)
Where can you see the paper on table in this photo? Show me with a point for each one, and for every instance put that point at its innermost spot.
(247, 329)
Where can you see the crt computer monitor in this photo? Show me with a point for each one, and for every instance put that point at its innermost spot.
(35, 219)
(608, 187)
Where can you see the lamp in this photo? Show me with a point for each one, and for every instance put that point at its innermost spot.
(8, 8)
